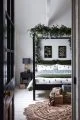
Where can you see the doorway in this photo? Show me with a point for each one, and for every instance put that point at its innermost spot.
(47, 13)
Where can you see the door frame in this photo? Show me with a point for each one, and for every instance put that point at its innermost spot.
(76, 59)
(73, 61)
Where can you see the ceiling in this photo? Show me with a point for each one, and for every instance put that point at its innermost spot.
(29, 13)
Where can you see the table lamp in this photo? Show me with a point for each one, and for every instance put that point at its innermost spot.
(26, 62)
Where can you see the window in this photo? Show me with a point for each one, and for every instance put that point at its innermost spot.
(62, 51)
(9, 41)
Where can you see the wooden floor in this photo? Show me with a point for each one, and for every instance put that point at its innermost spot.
(23, 98)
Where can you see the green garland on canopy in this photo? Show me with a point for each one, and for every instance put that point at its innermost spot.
(45, 31)
(51, 31)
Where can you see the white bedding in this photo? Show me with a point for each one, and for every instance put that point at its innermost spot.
(53, 70)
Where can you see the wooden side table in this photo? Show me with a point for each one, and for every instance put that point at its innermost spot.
(26, 77)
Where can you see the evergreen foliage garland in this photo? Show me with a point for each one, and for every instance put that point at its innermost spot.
(51, 31)
(42, 31)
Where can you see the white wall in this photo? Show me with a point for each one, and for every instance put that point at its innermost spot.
(24, 49)
(29, 13)
(55, 43)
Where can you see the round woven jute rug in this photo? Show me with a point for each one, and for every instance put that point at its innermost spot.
(42, 111)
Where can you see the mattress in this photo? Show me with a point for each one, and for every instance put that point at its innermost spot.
(42, 80)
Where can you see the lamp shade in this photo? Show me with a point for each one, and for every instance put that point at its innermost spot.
(26, 61)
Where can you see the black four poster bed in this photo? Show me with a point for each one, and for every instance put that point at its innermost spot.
(46, 70)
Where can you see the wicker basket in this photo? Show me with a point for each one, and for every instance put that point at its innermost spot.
(67, 98)
(58, 99)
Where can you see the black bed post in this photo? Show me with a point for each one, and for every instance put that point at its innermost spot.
(33, 66)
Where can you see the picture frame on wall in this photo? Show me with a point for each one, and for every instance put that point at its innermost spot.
(47, 51)
(62, 51)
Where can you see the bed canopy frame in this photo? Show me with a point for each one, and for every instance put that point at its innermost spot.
(44, 86)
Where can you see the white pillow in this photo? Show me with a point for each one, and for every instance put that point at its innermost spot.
(47, 67)
(64, 67)
(39, 67)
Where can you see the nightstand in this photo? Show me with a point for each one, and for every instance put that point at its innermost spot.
(26, 77)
